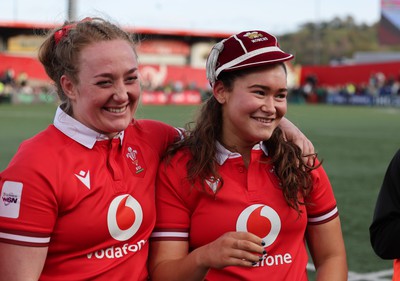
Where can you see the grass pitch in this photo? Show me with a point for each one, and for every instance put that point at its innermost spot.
(356, 144)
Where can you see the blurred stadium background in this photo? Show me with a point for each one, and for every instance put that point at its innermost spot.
(344, 94)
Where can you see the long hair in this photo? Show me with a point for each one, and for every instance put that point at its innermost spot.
(200, 141)
(285, 156)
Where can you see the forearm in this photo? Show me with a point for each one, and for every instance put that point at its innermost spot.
(286, 125)
(333, 269)
(188, 268)
(171, 260)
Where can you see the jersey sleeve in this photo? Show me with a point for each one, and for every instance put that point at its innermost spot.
(385, 226)
(173, 212)
(28, 208)
(321, 206)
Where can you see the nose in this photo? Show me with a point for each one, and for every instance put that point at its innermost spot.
(268, 105)
(120, 92)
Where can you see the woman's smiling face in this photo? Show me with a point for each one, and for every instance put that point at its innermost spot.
(254, 107)
(107, 93)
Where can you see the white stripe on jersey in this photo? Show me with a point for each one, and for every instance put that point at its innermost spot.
(324, 217)
(28, 239)
(170, 234)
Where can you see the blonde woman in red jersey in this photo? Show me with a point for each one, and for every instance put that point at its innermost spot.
(234, 200)
(81, 192)
(78, 198)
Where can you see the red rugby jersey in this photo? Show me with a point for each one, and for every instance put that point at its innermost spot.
(250, 200)
(89, 199)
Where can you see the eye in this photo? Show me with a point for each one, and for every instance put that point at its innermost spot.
(131, 79)
(281, 95)
(259, 93)
(104, 83)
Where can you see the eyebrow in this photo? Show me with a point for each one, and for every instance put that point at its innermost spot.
(266, 88)
(106, 74)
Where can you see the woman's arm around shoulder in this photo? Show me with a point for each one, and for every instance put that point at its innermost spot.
(293, 133)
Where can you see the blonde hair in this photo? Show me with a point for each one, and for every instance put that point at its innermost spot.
(60, 51)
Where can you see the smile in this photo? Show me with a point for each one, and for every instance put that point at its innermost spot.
(263, 120)
(115, 109)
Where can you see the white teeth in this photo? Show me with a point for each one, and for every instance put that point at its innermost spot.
(263, 120)
(116, 110)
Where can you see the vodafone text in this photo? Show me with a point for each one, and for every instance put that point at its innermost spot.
(117, 252)
(275, 260)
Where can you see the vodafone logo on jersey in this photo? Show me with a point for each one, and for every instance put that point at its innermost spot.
(260, 220)
(125, 215)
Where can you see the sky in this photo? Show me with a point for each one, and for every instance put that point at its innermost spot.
(275, 16)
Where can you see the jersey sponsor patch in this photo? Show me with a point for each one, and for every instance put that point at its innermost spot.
(10, 199)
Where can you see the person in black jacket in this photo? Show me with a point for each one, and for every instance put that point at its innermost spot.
(385, 228)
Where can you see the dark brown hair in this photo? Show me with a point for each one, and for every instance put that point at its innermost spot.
(286, 157)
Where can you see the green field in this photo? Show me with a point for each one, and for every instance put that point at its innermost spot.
(356, 144)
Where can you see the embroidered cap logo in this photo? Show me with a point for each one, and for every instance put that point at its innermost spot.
(253, 35)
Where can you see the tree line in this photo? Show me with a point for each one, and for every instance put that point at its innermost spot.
(333, 42)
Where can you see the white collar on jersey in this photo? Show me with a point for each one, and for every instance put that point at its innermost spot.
(77, 131)
(224, 154)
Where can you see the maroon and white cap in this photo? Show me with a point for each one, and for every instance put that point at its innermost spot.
(244, 50)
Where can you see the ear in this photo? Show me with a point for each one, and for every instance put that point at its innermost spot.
(68, 87)
(219, 92)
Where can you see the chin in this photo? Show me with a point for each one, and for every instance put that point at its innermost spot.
(118, 127)
(266, 135)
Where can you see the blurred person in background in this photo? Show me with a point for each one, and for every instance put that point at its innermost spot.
(78, 198)
(234, 200)
(385, 227)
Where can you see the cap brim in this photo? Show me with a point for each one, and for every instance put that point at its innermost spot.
(260, 60)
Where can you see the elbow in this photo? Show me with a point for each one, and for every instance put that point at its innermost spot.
(382, 247)
(383, 252)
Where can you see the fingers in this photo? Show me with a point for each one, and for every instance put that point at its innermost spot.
(309, 160)
(249, 242)
(243, 258)
(249, 248)
(308, 151)
(233, 248)
(305, 145)
(292, 133)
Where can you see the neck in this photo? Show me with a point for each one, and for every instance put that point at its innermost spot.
(243, 150)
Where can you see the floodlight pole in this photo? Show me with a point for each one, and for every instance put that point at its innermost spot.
(317, 37)
(15, 10)
(72, 10)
